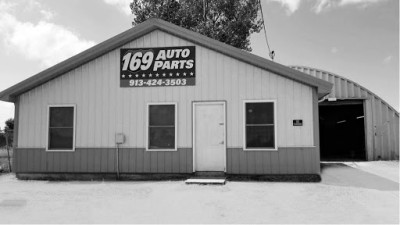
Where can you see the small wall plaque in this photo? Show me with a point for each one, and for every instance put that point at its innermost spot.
(297, 122)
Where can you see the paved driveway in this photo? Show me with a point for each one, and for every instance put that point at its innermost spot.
(341, 174)
(345, 195)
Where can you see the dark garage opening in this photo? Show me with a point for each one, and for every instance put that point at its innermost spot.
(342, 130)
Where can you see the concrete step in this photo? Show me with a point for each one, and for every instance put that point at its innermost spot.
(206, 180)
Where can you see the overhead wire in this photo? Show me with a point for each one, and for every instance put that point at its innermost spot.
(270, 53)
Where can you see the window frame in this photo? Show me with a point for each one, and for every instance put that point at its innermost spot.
(48, 128)
(148, 126)
(275, 148)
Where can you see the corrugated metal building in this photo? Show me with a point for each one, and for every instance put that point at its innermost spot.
(379, 121)
(162, 99)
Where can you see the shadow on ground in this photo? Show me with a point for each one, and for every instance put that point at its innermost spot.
(339, 174)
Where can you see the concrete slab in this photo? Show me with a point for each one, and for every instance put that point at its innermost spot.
(340, 174)
(385, 169)
(220, 181)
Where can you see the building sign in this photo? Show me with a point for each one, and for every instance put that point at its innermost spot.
(297, 122)
(149, 67)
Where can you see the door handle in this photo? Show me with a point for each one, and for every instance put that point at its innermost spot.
(221, 123)
(221, 143)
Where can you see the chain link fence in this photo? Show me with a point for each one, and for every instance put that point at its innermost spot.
(6, 150)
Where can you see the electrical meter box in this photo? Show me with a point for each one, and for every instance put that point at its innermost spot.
(119, 138)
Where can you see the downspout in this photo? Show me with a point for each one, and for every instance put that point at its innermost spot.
(119, 139)
(117, 158)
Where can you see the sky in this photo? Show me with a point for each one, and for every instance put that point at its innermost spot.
(356, 39)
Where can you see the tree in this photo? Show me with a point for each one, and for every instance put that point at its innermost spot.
(228, 21)
(9, 124)
(2, 139)
(7, 137)
(7, 133)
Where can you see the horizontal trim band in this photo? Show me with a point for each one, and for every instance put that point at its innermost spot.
(85, 148)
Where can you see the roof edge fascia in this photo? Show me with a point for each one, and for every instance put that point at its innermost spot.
(75, 61)
(323, 87)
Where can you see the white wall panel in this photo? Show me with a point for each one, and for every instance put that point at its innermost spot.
(103, 108)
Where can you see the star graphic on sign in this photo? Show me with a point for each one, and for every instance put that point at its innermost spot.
(150, 74)
(130, 75)
(123, 75)
(177, 74)
(143, 75)
(163, 74)
(136, 75)
(191, 73)
(170, 74)
(184, 74)
(157, 74)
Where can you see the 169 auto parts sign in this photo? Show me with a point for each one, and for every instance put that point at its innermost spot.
(149, 67)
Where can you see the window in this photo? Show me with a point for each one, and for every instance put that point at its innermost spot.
(259, 125)
(161, 126)
(61, 128)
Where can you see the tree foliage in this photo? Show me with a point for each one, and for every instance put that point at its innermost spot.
(9, 124)
(2, 139)
(7, 133)
(228, 21)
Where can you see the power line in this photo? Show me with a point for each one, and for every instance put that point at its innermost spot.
(271, 53)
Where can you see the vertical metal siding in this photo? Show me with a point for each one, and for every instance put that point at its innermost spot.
(284, 161)
(36, 160)
(381, 120)
(103, 109)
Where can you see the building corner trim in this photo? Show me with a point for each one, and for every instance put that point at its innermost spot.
(316, 129)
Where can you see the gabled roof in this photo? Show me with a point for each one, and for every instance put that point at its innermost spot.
(146, 27)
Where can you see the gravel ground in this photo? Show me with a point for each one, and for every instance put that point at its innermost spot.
(345, 195)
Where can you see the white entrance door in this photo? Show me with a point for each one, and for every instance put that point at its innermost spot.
(209, 136)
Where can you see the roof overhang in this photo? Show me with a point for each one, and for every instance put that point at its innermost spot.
(10, 94)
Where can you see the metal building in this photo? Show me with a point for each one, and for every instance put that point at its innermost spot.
(160, 99)
(366, 125)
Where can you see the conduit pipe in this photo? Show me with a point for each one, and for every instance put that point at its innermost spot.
(117, 158)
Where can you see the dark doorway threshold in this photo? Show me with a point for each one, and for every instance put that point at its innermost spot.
(342, 133)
